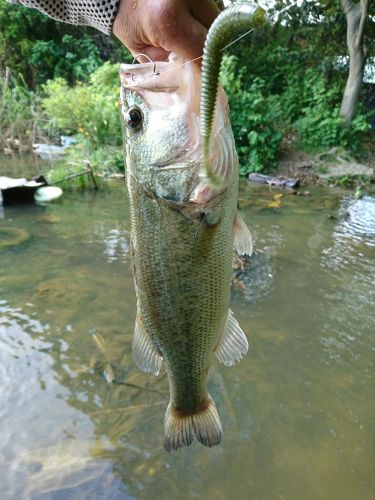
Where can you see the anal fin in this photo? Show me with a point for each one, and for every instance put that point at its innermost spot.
(233, 344)
(145, 354)
(243, 241)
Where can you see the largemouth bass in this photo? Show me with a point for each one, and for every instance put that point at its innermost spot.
(183, 230)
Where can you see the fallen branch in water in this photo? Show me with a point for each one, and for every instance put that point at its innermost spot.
(284, 182)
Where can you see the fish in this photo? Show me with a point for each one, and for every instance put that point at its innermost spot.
(183, 231)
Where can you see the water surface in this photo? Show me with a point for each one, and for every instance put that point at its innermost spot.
(78, 420)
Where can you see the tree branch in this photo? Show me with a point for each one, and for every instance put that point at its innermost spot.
(347, 5)
(364, 12)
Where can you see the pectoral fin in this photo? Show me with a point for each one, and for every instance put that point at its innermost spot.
(243, 241)
(145, 354)
(233, 344)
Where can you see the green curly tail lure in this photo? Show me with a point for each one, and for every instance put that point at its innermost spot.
(231, 22)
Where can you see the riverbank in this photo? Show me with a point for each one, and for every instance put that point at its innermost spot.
(335, 166)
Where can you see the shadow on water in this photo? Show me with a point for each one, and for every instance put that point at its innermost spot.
(78, 420)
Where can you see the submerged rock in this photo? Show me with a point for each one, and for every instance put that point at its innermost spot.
(12, 236)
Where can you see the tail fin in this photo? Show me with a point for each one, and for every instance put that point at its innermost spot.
(179, 430)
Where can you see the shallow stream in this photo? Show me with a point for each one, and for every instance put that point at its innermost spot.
(77, 418)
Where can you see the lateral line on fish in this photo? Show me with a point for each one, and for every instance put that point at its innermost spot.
(158, 73)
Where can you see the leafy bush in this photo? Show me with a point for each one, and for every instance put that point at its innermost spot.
(21, 116)
(311, 106)
(87, 109)
(253, 117)
(39, 48)
(323, 127)
(104, 159)
(69, 176)
(71, 58)
(306, 83)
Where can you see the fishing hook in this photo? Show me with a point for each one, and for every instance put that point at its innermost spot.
(154, 72)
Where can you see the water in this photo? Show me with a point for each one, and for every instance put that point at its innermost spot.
(298, 411)
(23, 165)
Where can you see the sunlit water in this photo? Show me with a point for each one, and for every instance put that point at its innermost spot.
(78, 420)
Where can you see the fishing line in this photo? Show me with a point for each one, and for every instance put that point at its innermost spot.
(276, 16)
(158, 73)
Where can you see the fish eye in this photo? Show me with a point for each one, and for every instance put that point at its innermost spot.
(134, 118)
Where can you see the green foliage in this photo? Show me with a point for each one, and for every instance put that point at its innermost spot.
(311, 105)
(351, 181)
(104, 160)
(70, 58)
(299, 100)
(107, 159)
(253, 117)
(321, 128)
(67, 176)
(282, 78)
(87, 109)
(19, 29)
(39, 48)
(20, 113)
(301, 73)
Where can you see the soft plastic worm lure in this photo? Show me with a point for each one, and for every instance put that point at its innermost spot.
(228, 24)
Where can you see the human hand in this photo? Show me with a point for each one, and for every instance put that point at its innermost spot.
(158, 27)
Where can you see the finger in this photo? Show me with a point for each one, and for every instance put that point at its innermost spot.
(187, 40)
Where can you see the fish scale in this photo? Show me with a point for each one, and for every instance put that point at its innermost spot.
(183, 230)
(184, 275)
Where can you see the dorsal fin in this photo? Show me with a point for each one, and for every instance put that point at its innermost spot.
(145, 354)
(233, 344)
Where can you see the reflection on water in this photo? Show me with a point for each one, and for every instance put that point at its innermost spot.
(78, 420)
(117, 245)
(36, 452)
(349, 261)
(23, 165)
(361, 218)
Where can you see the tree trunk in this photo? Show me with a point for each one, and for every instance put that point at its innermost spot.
(356, 14)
